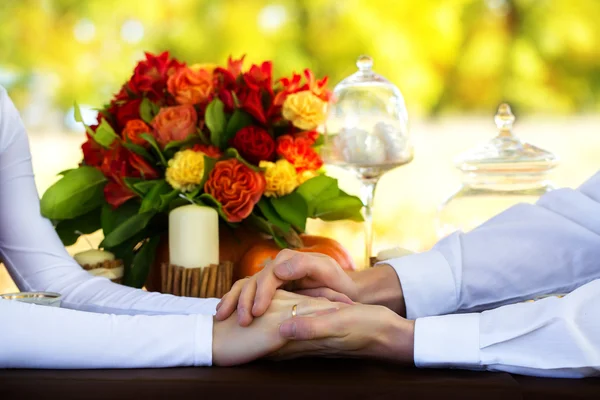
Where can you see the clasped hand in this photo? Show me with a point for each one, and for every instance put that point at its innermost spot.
(337, 323)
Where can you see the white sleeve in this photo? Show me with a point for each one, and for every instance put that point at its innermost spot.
(46, 337)
(552, 247)
(34, 254)
(553, 337)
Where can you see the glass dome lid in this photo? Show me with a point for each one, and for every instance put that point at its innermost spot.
(368, 117)
(506, 154)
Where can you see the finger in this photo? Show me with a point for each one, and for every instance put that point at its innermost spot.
(327, 293)
(311, 328)
(245, 303)
(320, 269)
(266, 286)
(229, 302)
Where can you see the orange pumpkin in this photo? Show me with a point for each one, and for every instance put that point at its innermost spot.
(266, 250)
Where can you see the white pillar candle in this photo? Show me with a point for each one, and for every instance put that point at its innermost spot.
(194, 236)
(93, 257)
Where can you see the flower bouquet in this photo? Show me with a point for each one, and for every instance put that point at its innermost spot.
(221, 136)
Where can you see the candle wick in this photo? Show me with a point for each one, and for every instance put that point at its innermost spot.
(81, 234)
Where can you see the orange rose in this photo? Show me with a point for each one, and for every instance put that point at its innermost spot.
(174, 123)
(133, 129)
(191, 86)
(237, 187)
(298, 151)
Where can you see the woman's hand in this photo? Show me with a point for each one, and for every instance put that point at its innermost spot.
(233, 344)
(311, 274)
(353, 331)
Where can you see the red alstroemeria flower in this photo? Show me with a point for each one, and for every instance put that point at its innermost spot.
(123, 112)
(150, 76)
(290, 86)
(250, 102)
(211, 151)
(258, 78)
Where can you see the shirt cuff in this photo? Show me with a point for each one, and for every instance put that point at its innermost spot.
(450, 341)
(204, 341)
(427, 284)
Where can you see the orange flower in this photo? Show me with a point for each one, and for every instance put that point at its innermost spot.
(132, 131)
(299, 152)
(191, 86)
(175, 123)
(237, 187)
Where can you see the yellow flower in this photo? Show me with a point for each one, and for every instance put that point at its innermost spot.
(280, 176)
(305, 110)
(185, 170)
(306, 175)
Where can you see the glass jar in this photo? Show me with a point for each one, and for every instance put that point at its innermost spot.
(495, 176)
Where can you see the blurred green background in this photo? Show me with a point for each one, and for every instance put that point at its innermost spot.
(454, 61)
(451, 56)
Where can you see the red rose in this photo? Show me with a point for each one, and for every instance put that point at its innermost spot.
(258, 78)
(298, 151)
(237, 187)
(175, 123)
(254, 144)
(132, 131)
(124, 112)
(211, 151)
(150, 76)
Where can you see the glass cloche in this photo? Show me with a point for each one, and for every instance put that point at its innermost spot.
(367, 132)
(495, 176)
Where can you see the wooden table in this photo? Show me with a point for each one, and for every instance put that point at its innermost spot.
(306, 379)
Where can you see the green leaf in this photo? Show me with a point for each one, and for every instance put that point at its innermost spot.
(177, 144)
(139, 150)
(127, 229)
(143, 186)
(105, 134)
(69, 230)
(77, 193)
(66, 171)
(150, 139)
(111, 218)
(270, 229)
(233, 153)
(137, 273)
(320, 140)
(167, 199)
(148, 110)
(79, 118)
(209, 164)
(215, 121)
(316, 190)
(210, 201)
(271, 215)
(240, 119)
(292, 208)
(343, 207)
(152, 199)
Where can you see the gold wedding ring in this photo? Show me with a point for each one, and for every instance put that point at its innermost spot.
(294, 310)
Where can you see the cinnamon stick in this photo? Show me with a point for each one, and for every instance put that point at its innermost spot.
(163, 277)
(196, 282)
(212, 284)
(219, 288)
(170, 271)
(204, 282)
(183, 282)
(176, 280)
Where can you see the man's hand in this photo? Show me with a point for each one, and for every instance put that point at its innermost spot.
(353, 331)
(315, 275)
(311, 274)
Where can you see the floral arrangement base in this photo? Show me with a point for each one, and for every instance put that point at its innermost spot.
(211, 281)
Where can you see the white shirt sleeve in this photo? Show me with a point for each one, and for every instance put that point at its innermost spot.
(37, 261)
(552, 247)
